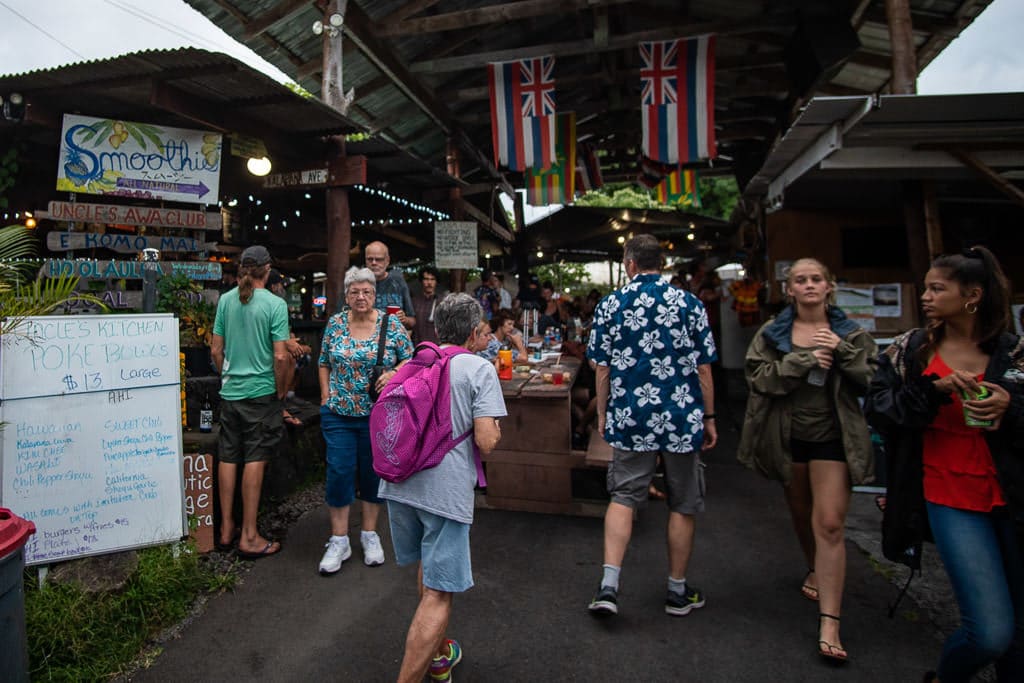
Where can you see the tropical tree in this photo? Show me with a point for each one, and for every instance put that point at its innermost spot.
(21, 294)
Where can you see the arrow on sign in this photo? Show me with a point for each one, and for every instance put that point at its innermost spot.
(199, 189)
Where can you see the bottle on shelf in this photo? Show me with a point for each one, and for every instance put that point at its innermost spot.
(206, 415)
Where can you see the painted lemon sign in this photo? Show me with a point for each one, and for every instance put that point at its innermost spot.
(129, 159)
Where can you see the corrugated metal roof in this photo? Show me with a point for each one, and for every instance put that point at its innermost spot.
(599, 83)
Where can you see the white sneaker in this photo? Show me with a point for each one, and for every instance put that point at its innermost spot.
(373, 553)
(338, 550)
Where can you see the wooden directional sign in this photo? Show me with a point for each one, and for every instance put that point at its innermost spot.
(116, 214)
(89, 269)
(347, 171)
(124, 244)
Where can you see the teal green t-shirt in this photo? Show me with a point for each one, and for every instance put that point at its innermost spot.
(249, 332)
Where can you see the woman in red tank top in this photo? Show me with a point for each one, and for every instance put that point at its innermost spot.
(951, 408)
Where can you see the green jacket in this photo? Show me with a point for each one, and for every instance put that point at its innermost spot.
(774, 371)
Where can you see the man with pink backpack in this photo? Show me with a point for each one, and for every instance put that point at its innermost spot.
(429, 495)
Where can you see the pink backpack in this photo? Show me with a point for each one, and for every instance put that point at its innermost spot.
(411, 422)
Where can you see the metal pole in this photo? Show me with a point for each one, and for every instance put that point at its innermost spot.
(150, 271)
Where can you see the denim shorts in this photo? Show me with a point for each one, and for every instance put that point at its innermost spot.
(630, 474)
(250, 429)
(349, 459)
(442, 545)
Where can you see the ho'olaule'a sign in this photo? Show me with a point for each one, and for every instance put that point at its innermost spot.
(130, 159)
(90, 269)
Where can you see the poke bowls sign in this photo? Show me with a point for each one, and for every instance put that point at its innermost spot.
(124, 158)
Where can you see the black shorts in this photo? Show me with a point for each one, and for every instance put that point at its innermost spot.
(805, 451)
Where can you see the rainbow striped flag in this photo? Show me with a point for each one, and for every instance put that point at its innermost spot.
(523, 112)
(679, 188)
(678, 99)
(557, 184)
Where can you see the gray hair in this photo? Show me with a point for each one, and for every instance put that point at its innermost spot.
(356, 274)
(455, 318)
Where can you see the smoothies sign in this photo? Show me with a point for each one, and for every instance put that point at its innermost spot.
(124, 158)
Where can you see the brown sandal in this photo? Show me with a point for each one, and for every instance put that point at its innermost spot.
(831, 651)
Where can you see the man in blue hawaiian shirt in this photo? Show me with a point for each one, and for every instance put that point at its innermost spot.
(653, 348)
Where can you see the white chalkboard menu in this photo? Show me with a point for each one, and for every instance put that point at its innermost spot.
(91, 442)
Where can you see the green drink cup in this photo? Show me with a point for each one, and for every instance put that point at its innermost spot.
(983, 392)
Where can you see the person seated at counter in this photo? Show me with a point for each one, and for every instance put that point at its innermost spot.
(503, 335)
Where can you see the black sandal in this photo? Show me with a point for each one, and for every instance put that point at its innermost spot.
(832, 652)
(809, 592)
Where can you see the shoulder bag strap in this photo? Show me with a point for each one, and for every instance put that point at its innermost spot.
(383, 338)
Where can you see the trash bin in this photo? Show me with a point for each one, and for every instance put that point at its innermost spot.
(14, 531)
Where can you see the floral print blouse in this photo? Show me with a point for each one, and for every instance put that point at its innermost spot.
(350, 361)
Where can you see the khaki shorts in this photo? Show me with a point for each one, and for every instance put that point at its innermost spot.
(630, 474)
(250, 429)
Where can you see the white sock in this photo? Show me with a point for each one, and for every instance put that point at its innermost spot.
(677, 586)
(340, 539)
(363, 535)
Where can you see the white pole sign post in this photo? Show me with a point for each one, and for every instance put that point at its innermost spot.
(130, 159)
(455, 244)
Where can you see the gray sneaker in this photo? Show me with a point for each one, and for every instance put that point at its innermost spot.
(605, 602)
(680, 605)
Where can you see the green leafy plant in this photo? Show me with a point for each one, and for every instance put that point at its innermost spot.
(78, 636)
(21, 296)
(183, 297)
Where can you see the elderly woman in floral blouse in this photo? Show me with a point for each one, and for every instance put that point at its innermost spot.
(347, 354)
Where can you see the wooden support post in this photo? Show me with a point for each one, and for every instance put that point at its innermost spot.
(932, 221)
(457, 276)
(904, 54)
(917, 234)
(339, 218)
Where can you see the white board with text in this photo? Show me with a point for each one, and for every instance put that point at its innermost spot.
(91, 444)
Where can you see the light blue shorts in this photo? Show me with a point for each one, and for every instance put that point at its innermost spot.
(442, 545)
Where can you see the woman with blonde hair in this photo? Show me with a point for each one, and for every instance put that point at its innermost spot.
(807, 369)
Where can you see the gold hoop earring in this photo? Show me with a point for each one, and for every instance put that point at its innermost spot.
(971, 307)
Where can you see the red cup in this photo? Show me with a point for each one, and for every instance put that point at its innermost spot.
(393, 310)
(556, 377)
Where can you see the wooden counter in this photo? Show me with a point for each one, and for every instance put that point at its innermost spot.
(531, 469)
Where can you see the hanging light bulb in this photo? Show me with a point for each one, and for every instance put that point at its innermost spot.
(258, 167)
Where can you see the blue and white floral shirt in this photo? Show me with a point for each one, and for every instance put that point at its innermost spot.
(652, 336)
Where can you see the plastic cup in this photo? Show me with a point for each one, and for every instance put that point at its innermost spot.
(393, 310)
(505, 364)
(983, 392)
(556, 378)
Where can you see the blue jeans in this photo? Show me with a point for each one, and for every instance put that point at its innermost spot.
(983, 556)
(349, 459)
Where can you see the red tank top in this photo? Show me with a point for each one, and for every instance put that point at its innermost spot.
(958, 467)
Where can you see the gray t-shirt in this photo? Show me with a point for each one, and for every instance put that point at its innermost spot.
(393, 291)
(447, 490)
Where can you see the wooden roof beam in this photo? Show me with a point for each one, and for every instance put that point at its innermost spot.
(408, 10)
(587, 46)
(492, 14)
(278, 13)
(223, 117)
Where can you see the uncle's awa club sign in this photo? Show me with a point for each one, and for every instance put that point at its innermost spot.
(130, 159)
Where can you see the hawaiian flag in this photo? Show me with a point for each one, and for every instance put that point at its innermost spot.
(679, 188)
(557, 184)
(678, 100)
(523, 113)
(588, 168)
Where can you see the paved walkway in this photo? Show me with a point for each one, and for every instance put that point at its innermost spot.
(526, 618)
